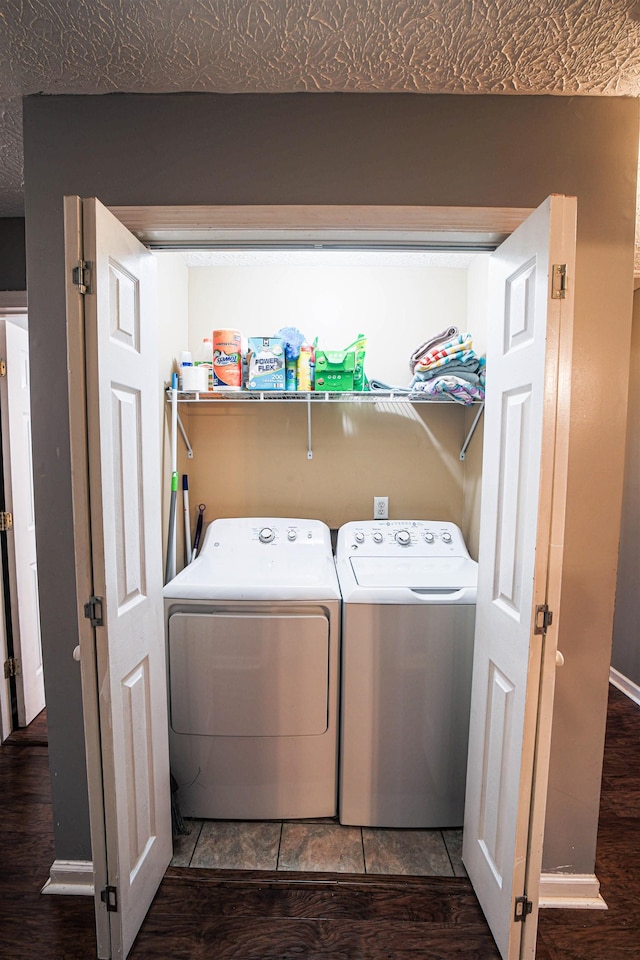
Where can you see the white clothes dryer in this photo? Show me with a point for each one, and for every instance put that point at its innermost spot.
(409, 592)
(253, 634)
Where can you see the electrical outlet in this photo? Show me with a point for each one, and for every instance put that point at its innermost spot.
(381, 508)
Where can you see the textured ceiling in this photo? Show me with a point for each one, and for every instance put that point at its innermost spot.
(276, 46)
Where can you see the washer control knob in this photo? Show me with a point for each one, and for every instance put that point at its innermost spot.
(377, 537)
(429, 537)
(359, 537)
(266, 535)
(446, 537)
(403, 537)
(291, 534)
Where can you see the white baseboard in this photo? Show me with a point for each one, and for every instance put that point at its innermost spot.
(628, 687)
(73, 877)
(577, 891)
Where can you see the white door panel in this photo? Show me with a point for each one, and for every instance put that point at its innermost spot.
(21, 540)
(124, 483)
(521, 447)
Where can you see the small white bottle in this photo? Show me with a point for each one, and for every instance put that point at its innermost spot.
(204, 358)
(185, 361)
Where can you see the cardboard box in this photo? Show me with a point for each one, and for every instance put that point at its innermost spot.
(335, 370)
(266, 363)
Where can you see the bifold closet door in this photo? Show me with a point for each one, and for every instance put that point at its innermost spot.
(519, 569)
(122, 633)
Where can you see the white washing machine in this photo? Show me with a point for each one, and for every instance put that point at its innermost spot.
(253, 633)
(409, 592)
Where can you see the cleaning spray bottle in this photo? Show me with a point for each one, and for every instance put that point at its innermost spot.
(305, 367)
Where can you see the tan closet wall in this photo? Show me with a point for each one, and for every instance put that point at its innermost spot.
(251, 460)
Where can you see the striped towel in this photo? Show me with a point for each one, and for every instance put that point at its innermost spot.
(456, 348)
(420, 352)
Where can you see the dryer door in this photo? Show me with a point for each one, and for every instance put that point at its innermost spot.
(249, 674)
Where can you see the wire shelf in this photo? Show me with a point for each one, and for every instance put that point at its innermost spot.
(311, 396)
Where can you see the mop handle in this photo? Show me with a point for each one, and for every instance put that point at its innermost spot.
(174, 422)
(187, 521)
(170, 568)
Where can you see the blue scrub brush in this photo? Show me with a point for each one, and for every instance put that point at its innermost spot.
(292, 340)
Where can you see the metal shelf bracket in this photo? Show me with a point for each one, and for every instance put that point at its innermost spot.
(185, 438)
(463, 452)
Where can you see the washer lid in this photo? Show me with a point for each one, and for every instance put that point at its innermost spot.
(405, 561)
(420, 574)
(407, 580)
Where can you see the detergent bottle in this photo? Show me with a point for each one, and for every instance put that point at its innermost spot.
(204, 358)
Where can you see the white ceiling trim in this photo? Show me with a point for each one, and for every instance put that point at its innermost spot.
(421, 259)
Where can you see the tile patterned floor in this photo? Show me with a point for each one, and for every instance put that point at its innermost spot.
(408, 852)
(318, 846)
(321, 846)
(235, 845)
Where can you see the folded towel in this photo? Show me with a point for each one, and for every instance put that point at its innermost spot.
(444, 363)
(467, 369)
(453, 377)
(375, 385)
(453, 387)
(428, 345)
(458, 347)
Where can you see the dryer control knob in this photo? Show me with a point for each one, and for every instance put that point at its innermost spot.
(266, 535)
(359, 537)
(291, 535)
(377, 537)
(403, 537)
(429, 537)
(446, 537)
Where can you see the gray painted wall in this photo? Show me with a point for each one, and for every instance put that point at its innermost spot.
(625, 655)
(13, 267)
(353, 149)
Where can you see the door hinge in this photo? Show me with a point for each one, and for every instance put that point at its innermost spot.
(6, 521)
(109, 896)
(93, 611)
(12, 668)
(559, 281)
(543, 618)
(81, 275)
(523, 908)
(3, 368)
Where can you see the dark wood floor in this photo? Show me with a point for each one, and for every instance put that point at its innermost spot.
(34, 734)
(209, 915)
(612, 934)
